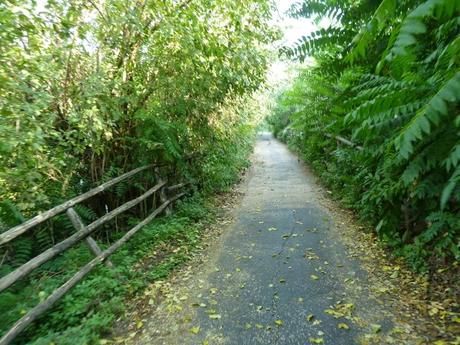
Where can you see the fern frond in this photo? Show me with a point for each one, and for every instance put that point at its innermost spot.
(379, 20)
(449, 56)
(378, 124)
(43, 238)
(414, 22)
(318, 41)
(431, 113)
(449, 188)
(391, 85)
(453, 159)
(86, 213)
(382, 103)
(320, 9)
(10, 214)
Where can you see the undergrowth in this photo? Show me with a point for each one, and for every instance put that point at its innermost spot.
(88, 311)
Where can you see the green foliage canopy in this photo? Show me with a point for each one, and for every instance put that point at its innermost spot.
(88, 85)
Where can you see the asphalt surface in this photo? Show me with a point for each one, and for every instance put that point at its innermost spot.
(280, 268)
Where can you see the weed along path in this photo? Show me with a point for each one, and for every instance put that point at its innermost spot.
(280, 273)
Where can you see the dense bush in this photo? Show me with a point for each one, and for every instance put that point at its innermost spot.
(386, 77)
(87, 87)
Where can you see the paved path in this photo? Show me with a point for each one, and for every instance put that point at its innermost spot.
(281, 275)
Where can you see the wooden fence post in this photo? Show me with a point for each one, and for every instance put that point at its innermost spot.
(163, 192)
(90, 242)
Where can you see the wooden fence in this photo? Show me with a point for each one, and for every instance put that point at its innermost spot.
(342, 140)
(83, 232)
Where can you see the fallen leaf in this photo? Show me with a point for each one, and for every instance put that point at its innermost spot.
(279, 322)
(376, 328)
(316, 340)
(194, 330)
(343, 326)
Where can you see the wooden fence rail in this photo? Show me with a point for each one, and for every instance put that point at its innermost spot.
(344, 141)
(20, 229)
(83, 232)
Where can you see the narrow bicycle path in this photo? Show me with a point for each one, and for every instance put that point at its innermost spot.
(280, 275)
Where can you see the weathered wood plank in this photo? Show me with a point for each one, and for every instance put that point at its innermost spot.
(344, 141)
(91, 243)
(20, 229)
(38, 310)
(163, 198)
(177, 186)
(48, 254)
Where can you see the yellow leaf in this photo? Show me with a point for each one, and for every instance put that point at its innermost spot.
(314, 277)
(194, 330)
(397, 330)
(433, 311)
(279, 322)
(376, 328)
(139, 324)
(343, 326)
(316, 340)
(310, 317)
(215, 316)
(334, 313)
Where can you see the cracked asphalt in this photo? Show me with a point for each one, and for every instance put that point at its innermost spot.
(278, 269)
